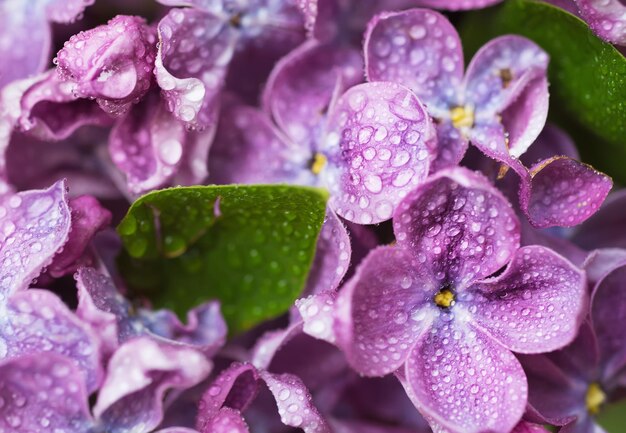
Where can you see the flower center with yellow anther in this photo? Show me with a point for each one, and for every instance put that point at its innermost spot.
(595, 398)
(318, 163)
(444, 298)
(462, 117)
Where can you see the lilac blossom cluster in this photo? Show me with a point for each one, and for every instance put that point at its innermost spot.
(496, 307)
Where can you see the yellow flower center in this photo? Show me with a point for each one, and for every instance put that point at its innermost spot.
(462, 116)
(318, 164)
(444, 298)
(595, 398)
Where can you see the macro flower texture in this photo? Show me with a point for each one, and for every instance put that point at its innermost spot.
(318, 216)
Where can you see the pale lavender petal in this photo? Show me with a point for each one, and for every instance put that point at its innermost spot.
(139, 374)
(299, 90)
(606, 228)
(194, 54)
(332, 257)
(147, 145)
(451, 146)
(194, 167)
(377, 147)
(491, 139)
(500, 71)
(235, 388)
(606, 18)
(600, 262)
(29, 392)
(458, 226)
(455, 5)
(88, 218)
(536, 305)
(294, 402)
(382, 309)
(205, 329)
(227, 420)
(112, 63)
(465, 381)
(527, 427)
(562, 192)
(249, 149)
(317, 315)
(34, 226)
(177, 430)
(38, 321)
(608, 308)
(420, 49)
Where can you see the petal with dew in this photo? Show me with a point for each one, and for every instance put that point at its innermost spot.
(606, 18)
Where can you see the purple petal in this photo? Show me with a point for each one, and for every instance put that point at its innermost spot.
(418, 48)
(332, 257)
(294, 403)
(526, 427)
(299, 90)
(536, 305)
(249, 149)
(193, 57)
(608, 307)
(205, 329)
(88, 218)
(458, 226)
(451, 146)
(379, 312)
(500, 71)
(147, 145)
(455, 5)
(112, 63)
(552, 141)
(26, 34)
(235, 388)
(377, 149)
(600, 262)
(30, 390)
(37, 321)
(317, 315)
(35, 225)
(227, 420)
(606, 18)
(562, 192)
(605, 228)
(270, 343)
(194, 167)
(139, 374)
(553, 241)
(465, 381)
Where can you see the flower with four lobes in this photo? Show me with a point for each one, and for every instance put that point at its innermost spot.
(571, 386)
(501, 103)
(438, 308)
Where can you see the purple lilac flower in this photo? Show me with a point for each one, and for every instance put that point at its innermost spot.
(431, 307)
(607, 18)
(571, 386)
(130, 399)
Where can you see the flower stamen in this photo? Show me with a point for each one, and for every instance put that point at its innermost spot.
(318, 163)
(595, 398)
(444, 298)
(462, 117)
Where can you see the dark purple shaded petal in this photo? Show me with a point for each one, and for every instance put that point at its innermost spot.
(458, 226)
(526, 427)
(227, 420)
(332, 257)
(112, 63)
(451, 146)
(235, 388)
(500, 71)
(294, 403)
(193, 57)
(606, 18)
(381, 311)
(205, 329)
(341, 426)
(30, 392)
(25, 36)
(270, 343)
(600, 262)
(562, 192)
(553, 241)
(536, 305)
(147, 145)
(552, 141)
(34, 226)
(139, 374)
(38, 321)
(465, 381)
(607, 227)
(455, 5)
(88, 218)
(377, 146)
(299, 90)
(178, 430)
(608, 309)
(249, 149)
(420, 49)
(317, 315)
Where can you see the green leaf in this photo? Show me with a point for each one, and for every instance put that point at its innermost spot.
(587, 76)
(613, 417)
(251, 247)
